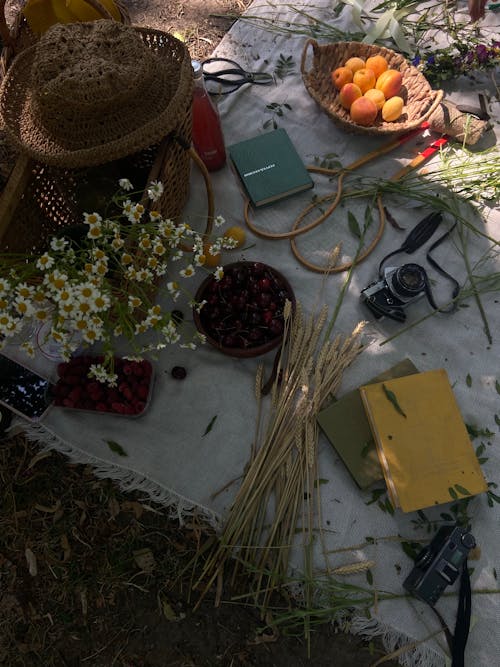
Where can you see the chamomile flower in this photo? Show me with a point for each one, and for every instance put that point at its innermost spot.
(173, 289)
(197, 305)
(188, 272)
(45, 262)
(28, 348)
(155, 190)
(177, 255)
(144, 276)
(131, 273)
(23, 306)
(154, 216)
(127, 207)
(101, 374)
(117, 243)
(58, 244)
(25, 290)
(219, 221)
(188, 346)
(133, 303)
(170, 333)
(92, 219)
(86, 291)
(125, 184)
(5, 286)
(219, 273)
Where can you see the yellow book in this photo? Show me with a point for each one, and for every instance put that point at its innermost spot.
(422, 442)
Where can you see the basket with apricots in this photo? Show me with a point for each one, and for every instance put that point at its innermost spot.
(367, 89)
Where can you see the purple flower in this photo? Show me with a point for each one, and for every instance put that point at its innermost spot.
(431, 60)
(482, 53)
(416, 61)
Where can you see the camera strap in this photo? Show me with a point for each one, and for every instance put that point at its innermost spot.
(458, 640)
(421, 233)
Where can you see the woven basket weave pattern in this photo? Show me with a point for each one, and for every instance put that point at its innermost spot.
(49, 201)
(419, 98)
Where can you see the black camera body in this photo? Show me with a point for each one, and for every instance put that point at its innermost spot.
(440, 563)
(395, 291)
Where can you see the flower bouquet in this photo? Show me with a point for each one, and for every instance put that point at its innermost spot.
(101, 283)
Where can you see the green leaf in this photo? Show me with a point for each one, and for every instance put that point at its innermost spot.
(411, 549)
(392, 398)
(497, 420)
(497, 386)
(453, 493)
(495, 574)
(389, 506)
(468, 380)
(376, 493)
(116, 448)
(369, 577)
(210, 426)
(462, 490)
(319, 481)
(366, 448)
(353, 225)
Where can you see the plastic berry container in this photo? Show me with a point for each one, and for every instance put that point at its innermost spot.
(130, 397)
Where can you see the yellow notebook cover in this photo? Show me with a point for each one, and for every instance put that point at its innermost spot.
(423, 445)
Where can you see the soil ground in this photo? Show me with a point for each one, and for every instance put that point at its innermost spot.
(94, 576)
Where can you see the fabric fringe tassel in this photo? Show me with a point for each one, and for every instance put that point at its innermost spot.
(177, 507)
(418, 654)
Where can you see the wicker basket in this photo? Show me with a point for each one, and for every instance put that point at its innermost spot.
(20, 36)
(38, 199)
(419, 98)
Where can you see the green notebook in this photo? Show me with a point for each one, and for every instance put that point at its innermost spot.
(269, 167)
(346, 426)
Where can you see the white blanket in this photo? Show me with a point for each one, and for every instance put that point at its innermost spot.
(169, 456)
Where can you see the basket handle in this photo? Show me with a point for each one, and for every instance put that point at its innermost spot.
(155, 171)
(310, 42)
(4, 28)
(6, 36)
(438, 96)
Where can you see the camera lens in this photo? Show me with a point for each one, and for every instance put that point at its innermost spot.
(409, 280)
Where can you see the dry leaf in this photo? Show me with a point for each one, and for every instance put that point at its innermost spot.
(133, 505)
(168, 611)
(39, 457)
(31, 560)
(65, 547)
(84, 602)
(114, 507)
(145, 560)
(48, 510)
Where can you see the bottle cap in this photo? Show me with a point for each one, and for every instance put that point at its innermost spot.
(197, 71)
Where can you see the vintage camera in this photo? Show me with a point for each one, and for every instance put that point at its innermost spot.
(439, 564)
(394, 292)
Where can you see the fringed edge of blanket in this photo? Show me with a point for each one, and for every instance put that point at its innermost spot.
(406, 650)
(177, 507)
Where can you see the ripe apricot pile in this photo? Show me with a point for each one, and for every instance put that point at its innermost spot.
(367, 87)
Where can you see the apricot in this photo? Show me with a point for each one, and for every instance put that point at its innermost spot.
(363, 111)
(348, 93)
(354, 63)
(393, 108)
(389, 82)
(376, 96)
(341, 76)
(364, 78)
(209, 259)
(378, 64)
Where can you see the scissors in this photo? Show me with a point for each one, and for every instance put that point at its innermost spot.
(222, 80)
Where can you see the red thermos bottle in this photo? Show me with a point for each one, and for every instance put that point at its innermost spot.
(208, 139)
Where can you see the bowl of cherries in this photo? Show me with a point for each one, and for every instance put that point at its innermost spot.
(243, 313)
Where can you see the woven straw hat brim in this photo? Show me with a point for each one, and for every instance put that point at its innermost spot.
(139, 125)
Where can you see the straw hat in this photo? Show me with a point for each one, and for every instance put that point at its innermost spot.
(90, 93)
